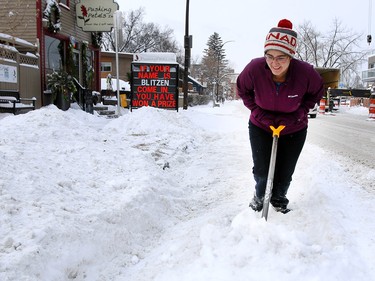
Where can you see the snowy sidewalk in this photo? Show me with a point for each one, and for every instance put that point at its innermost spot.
(160, 195)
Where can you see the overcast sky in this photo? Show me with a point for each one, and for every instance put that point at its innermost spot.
(247, 23)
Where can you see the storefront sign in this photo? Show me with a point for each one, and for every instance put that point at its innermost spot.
(96, 15)
(155, 57)
(154, 84)
(8, 73)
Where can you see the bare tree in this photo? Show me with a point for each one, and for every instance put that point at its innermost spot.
(339, 48)
(137, 36)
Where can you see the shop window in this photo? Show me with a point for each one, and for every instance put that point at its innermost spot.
(89, 75)
(77, 65)
(106, 67)
(52, 54)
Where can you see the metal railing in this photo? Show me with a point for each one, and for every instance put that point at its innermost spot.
(83, 97)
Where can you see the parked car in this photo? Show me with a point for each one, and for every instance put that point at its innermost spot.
(314, 111)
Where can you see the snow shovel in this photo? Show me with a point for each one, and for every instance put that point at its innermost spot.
(271, 170)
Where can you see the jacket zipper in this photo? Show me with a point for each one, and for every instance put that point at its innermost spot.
(277, 85)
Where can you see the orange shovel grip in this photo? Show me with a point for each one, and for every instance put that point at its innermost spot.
(276, 131)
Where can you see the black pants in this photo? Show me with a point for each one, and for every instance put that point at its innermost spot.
(288, 150)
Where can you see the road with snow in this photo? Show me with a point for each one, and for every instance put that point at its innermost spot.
(349, 136)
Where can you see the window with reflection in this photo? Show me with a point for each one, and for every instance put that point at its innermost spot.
(52, 54)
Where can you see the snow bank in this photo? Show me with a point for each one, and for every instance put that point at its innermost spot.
(162, 195)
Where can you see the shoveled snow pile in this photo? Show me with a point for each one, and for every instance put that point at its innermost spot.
(163, 195)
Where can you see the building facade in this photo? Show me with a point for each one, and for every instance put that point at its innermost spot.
(51, 25)
(108, 64)
(368, 75)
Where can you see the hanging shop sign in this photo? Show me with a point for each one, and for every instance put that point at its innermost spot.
(96, 15)
(155, 85)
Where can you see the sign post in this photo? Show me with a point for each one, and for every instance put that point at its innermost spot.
(117, 26)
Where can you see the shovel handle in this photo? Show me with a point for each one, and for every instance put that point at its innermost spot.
(271, 170)
(276, 131)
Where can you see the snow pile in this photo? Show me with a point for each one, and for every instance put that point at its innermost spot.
(356, 110)
(162, 195)
(123, 85)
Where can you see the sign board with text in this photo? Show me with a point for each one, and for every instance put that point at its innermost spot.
(8, 73)
(155, 85)
(96, 15)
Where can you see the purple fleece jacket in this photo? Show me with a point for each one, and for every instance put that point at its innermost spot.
(287, 104)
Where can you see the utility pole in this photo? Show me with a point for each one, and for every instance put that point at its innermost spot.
(188, 43)
(369, 38)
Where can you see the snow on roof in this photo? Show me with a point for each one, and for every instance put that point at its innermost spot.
(11, 48)
(16, 41)
(196, 81)
(114, 52)
(28, 54)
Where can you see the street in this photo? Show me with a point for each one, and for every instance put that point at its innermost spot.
(346, 135)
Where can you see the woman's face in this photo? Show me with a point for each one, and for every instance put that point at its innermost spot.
(278, 62)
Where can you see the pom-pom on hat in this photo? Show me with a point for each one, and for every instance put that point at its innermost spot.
(282, 38)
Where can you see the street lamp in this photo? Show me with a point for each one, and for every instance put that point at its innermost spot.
(218, 68)
(226, 75)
